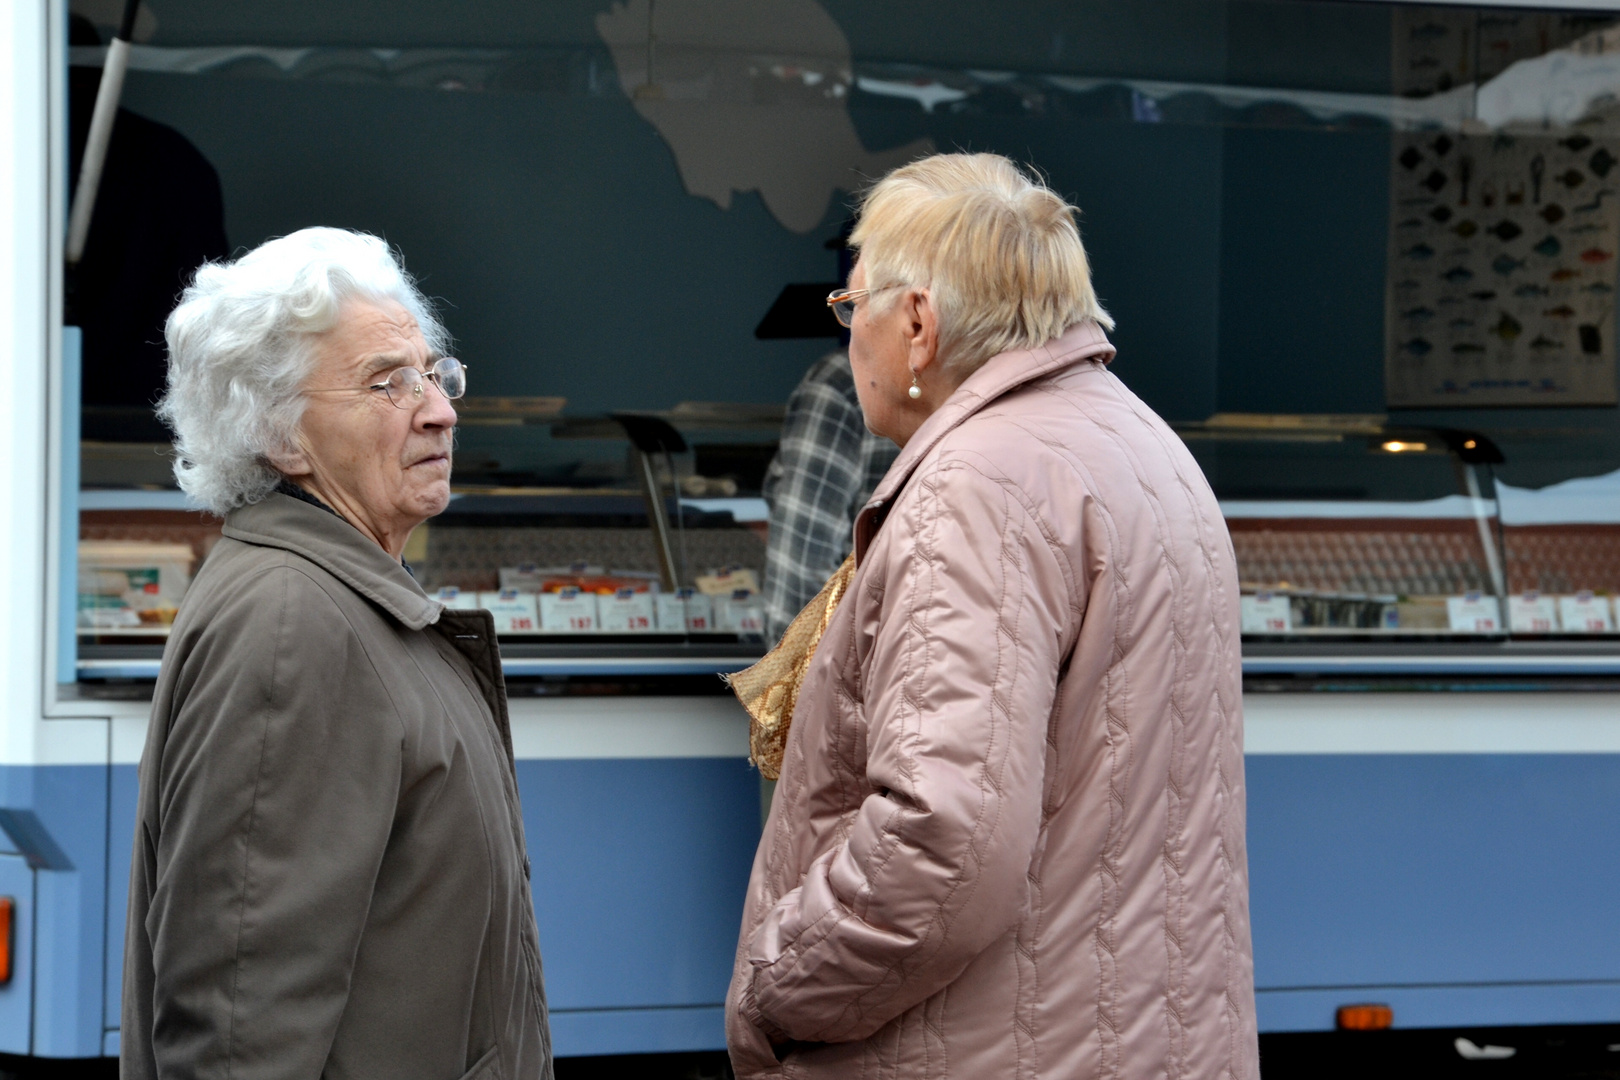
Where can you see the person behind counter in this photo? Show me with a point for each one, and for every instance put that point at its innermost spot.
(329, 876)
(1008, 838)
(826, 467)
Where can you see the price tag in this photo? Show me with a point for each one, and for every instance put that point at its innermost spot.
(699, 612)
(456, 600)
(515, 612)
(684, 611)
(568, 611)
(1585, 613)
(1532, 613)
(1474, 613)
(1266, 613)
(740, 613)
(626, 612)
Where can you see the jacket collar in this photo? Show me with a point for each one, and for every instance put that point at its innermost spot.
(281, 521)
(1001, 373)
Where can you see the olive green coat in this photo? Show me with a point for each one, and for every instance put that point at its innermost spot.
(329, 873)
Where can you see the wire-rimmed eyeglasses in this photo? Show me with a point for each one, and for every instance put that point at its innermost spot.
(406, 386)
(842, 301)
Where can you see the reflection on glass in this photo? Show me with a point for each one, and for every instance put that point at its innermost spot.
(1346, 526)
(1411, 212)
(1561, 546)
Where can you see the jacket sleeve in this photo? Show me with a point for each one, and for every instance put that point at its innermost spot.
(961, 682)
(277, 789)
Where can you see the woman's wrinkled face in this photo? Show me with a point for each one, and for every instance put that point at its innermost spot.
(386, 469)
(879, 347)
(888, 348)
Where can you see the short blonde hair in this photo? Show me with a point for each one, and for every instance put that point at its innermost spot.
(997, 249)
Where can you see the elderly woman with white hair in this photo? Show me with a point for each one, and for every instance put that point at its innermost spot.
(329, 874)
(1008, 835)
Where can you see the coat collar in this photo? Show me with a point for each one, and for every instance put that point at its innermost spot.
(998, 375)
(281, 521)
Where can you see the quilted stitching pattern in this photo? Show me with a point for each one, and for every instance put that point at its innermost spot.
(1008, 839)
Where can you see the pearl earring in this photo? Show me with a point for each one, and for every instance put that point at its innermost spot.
(916, 391)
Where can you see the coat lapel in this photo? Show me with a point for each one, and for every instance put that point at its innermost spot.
(334, 545)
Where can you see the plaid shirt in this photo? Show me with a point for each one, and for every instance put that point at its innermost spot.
(825, 469)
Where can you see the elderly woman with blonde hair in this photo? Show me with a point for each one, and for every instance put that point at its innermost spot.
(1008, 836)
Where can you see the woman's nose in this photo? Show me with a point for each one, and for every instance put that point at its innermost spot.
(435, 411)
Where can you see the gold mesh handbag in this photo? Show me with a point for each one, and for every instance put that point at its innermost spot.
(770, 689)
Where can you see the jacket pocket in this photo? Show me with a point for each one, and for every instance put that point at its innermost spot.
(488, 1067)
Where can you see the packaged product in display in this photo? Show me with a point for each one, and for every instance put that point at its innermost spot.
(725, 581)
(130, 585)
(527, 577)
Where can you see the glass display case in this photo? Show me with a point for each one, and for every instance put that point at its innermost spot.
(1361, 536)
(634, 543)
(1348, 527)
(1396, 556)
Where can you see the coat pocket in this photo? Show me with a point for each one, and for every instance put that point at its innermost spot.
(487, 1067)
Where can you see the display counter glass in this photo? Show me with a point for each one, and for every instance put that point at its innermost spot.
(627, 545)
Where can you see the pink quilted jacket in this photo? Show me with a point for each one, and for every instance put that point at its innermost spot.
(1008, 839)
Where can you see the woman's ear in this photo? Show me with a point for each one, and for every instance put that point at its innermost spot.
(923, 344)
(290, 461)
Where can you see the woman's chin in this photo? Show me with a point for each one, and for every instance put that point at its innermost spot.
(431, 498)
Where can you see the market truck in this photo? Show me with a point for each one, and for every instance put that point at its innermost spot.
(1429, 562)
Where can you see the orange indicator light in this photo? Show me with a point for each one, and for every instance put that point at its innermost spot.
(1365, 1017)
(6, 906)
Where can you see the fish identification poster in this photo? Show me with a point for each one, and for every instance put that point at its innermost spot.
(1502, 252)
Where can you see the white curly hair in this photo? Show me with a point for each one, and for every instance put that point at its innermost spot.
(241, 347)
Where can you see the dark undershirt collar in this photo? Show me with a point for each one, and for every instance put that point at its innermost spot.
(287, 487)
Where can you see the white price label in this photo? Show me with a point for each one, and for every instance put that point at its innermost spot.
(569, 611)
(1532, 613)
(515, 612)
(1585, 613)
(742, 613)
(685, 611)
(699, 613)
(456, 600)
(1473, 613)
(1266, 613)
(626, 612)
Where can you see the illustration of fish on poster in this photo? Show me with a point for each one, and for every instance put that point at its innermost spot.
(1502, 246)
